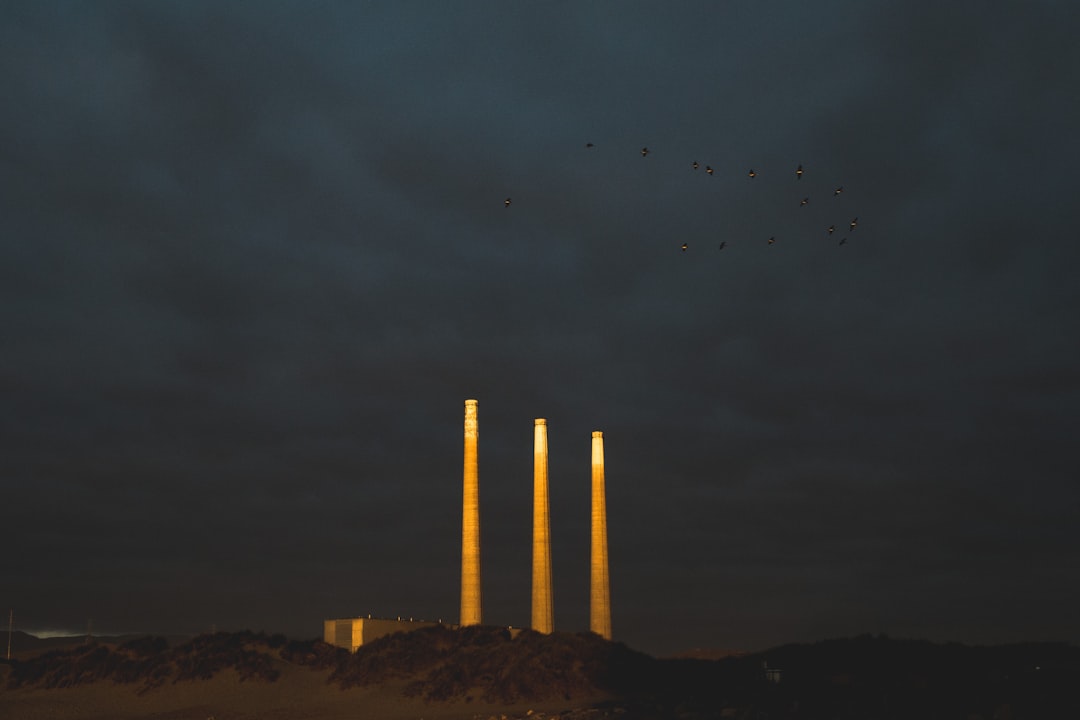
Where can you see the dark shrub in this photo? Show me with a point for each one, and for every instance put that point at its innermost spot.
(145, 646)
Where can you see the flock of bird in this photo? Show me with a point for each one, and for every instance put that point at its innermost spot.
(830, 231)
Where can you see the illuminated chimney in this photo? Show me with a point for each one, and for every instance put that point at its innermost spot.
(543, 614)
(599, 587)
(470, 523)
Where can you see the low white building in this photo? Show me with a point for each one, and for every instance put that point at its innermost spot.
(351, 633)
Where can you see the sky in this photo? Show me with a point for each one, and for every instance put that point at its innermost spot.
(254, 257)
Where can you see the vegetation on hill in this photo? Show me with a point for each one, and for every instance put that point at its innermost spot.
(851, 678)
(488, 664)
(149, 662)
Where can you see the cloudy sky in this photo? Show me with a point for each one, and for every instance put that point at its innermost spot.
(254, 256)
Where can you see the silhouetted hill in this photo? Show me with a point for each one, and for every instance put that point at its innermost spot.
(865, 677)
(25, 645)
(485, 663)
(148, 662)
(884, 677)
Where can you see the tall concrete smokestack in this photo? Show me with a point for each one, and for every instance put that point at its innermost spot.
(470, 523)
(599, 587)
(543, 614)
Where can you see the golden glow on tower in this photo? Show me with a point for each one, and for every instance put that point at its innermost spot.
(543, 614)
(471, 613)
(599, 586)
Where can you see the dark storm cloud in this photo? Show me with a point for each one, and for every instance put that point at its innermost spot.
(255, 258)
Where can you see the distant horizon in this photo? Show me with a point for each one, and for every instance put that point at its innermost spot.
(63, 634)
(660, 647)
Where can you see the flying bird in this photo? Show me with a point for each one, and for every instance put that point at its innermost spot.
(723, 245)
(772, 240)
(708, 169)
(804, 201)
(694, 165)
(684, 247)
(838, 190)
(831, 230)
(752, 173)
(589, 145)
(798, 173)
(854, 222)
(644, 151)
(843, 241)
(506, 202)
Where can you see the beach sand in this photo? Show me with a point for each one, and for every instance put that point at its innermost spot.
(299, 694)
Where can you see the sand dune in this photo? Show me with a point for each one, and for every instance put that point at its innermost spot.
(84, 690)
(299, 694)
(480, 673)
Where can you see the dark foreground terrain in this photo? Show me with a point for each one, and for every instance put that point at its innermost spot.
(482, 672)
